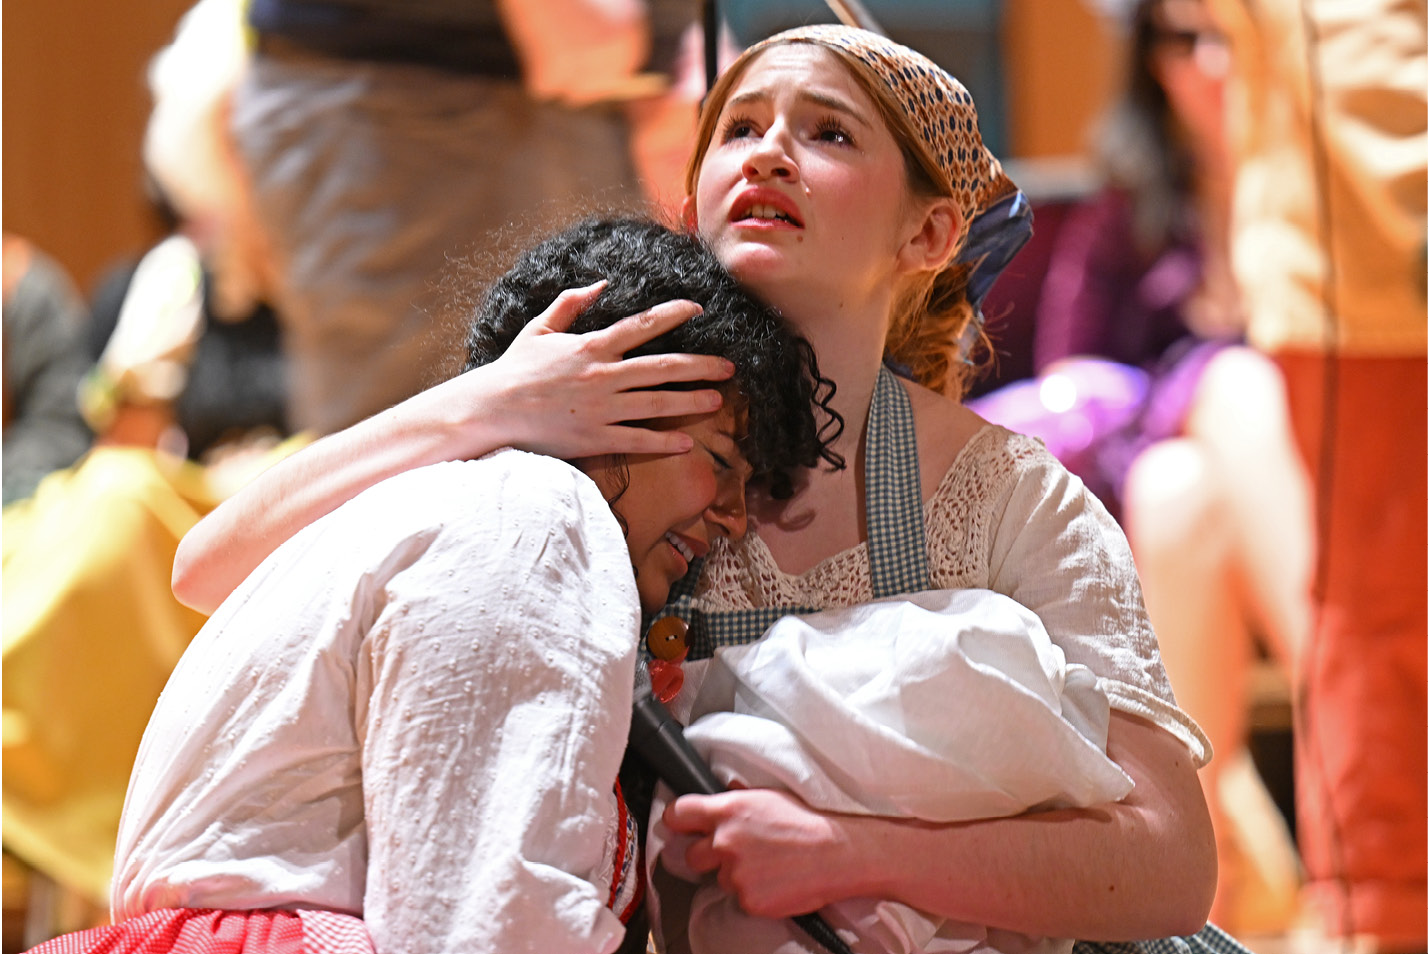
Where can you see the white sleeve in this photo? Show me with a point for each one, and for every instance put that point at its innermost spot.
(1058, 552)
(500, 665)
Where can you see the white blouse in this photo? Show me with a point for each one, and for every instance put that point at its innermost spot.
(1007, 517)
(413, 711)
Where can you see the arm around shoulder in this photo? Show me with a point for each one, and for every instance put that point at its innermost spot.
(560, 394)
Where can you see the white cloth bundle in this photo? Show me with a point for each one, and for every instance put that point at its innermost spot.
(943, 706)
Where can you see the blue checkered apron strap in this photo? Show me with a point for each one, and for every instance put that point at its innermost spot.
(897, 554)
(1208, 940)
(708, 631)
(897, 545)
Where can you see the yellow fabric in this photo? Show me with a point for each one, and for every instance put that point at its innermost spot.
(91, 632)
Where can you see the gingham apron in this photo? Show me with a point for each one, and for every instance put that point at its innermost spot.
(897, 550)
(897, 563)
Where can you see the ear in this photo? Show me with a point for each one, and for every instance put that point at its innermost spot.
(936, 230)
(688, 215)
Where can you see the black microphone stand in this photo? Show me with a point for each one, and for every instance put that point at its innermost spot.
(658, 738)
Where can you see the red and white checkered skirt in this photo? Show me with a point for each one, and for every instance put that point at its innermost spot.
(211, 931)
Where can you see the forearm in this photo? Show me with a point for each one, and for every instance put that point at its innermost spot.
(1092, 875)
(229, 543)
(550, 393)
(1142, 867)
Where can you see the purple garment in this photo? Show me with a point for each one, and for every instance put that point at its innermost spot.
(1072, 410)
(1104, 297)
(1117, 366)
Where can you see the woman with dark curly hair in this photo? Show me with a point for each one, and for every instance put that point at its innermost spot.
(775, 379)
(407, 723)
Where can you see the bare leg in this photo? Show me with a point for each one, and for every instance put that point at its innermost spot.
(1220, 525)
(1241, 418)
(1179, 525)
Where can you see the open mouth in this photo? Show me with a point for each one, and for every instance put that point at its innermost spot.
(764, 206)
(767, 213)
(680, 547)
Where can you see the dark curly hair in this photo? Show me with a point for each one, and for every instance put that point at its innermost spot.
(776, 380)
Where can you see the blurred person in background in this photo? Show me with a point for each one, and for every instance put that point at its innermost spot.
(1330, 138)
(1146, 391)
(190, 374)
(44, 359)
(383, 136)
(188, 346)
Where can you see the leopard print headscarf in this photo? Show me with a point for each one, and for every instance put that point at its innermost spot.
(940, 111)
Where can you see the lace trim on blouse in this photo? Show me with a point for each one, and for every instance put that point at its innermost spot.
(958, 520)
(1085, 588)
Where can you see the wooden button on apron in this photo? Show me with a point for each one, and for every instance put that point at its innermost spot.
(666, 638)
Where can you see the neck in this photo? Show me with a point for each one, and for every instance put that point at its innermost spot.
(849, 344)
(825, 516)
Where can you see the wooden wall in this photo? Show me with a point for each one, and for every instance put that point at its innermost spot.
(1063, 61)
(75, 101)
(74, 105)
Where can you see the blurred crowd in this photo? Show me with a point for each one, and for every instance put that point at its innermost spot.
(1228, 347)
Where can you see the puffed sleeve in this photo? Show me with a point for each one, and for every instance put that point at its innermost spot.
(500, 663)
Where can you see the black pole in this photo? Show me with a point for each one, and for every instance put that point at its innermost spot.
(711, 43)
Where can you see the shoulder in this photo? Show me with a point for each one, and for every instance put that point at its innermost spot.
(515, 482)
(467, 510)
(1007, 499)
(996, 465)
(955, 444)
(1013, 483)
(974, 472)
(944, 427)
(445, 539)
(493, 468)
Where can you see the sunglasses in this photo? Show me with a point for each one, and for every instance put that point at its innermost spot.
(1187, 42)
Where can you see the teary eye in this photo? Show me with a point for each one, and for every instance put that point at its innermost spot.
(831, 130)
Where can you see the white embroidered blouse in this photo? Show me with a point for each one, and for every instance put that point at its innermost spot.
(1007, 517)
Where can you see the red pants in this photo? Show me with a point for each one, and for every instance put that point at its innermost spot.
(1361, 754)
